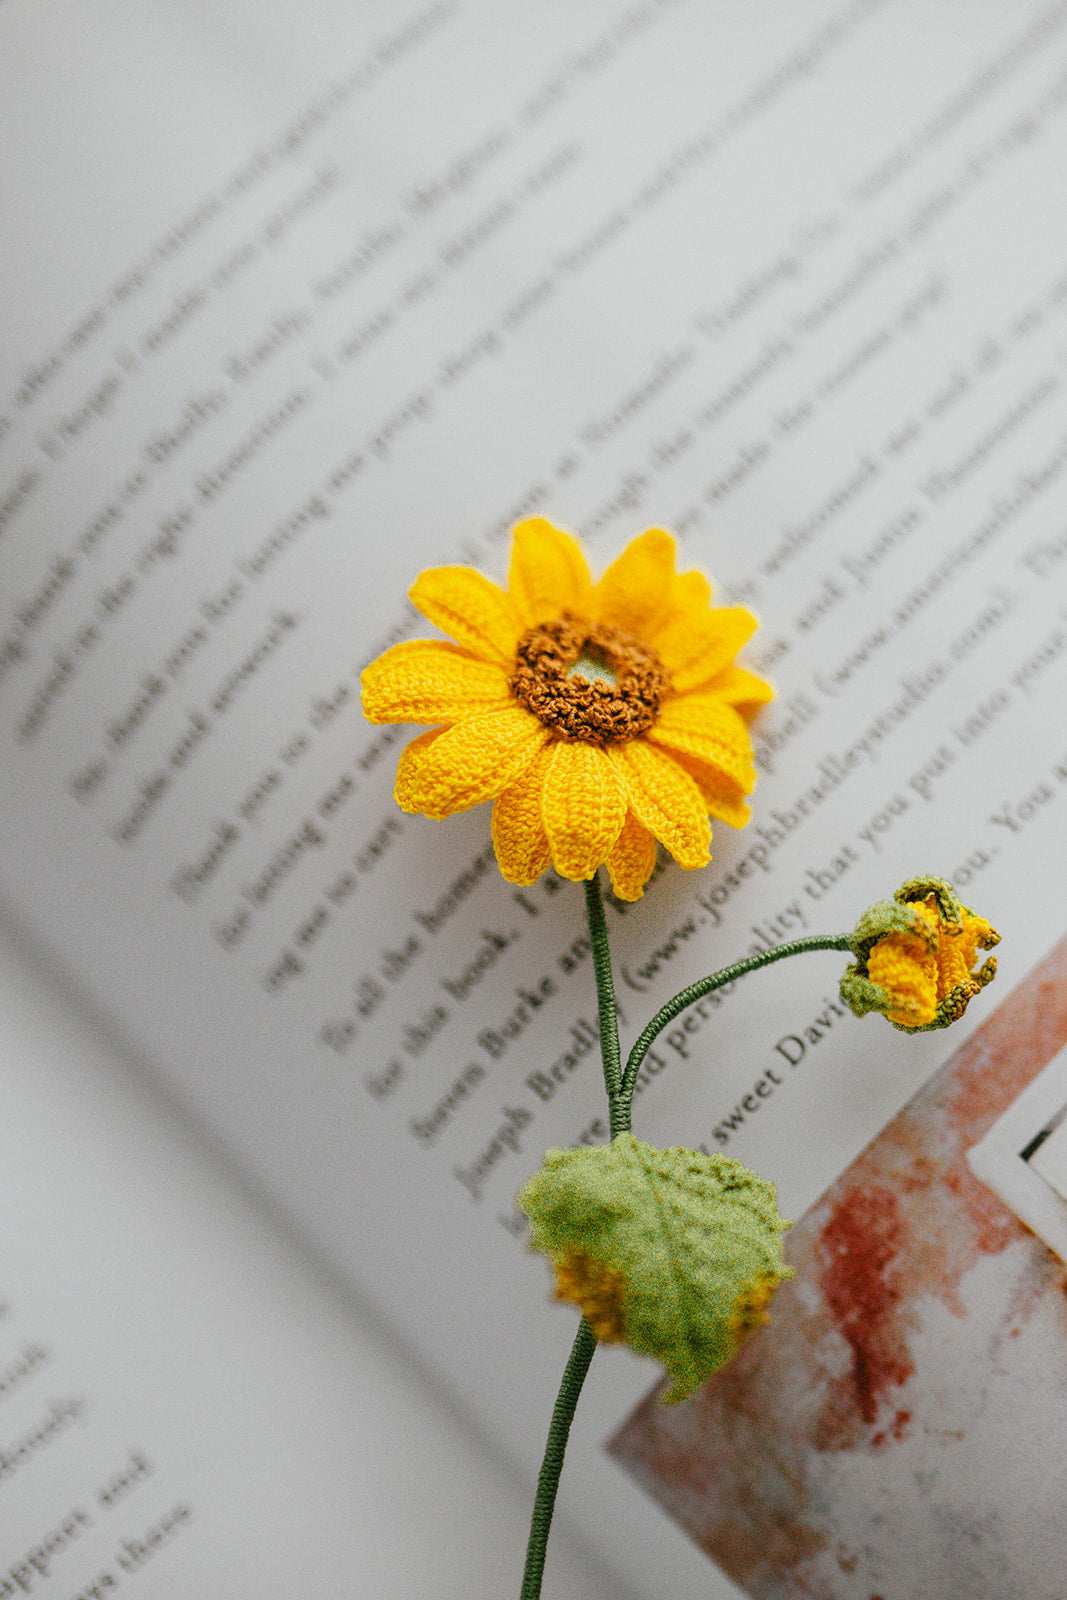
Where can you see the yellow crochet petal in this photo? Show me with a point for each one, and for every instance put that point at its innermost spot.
(957, 953)
(474, 761)
(411, 758)
(473, 611)
(583, 805)
(665, 799)
(741, 689)
(634, 593)
(426, 680)
(975, 932)
(952, 966)
(715, 733)
(548, 573)
(688, 599)
(522, 849)
(697, 647)
(631, 859)
(722, 797)
(903, 966)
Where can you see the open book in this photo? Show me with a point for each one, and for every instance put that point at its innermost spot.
(293, 306)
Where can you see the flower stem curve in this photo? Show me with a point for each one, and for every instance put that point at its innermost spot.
(717, 980)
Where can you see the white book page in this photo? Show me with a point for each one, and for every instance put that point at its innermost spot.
(295, 312)
(184, 1407)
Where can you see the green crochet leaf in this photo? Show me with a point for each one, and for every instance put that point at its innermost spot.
(671, 1252)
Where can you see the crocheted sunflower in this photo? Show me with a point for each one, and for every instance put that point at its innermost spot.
(599, 717)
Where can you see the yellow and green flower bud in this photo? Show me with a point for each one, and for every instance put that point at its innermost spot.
(915, 956)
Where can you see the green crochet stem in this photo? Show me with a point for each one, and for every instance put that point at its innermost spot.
(718, 980)
(610, 1054)
(548, 1482)
(585, 1341)
(620, 1089)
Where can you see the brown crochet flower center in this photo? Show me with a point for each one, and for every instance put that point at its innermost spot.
(588, 681)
